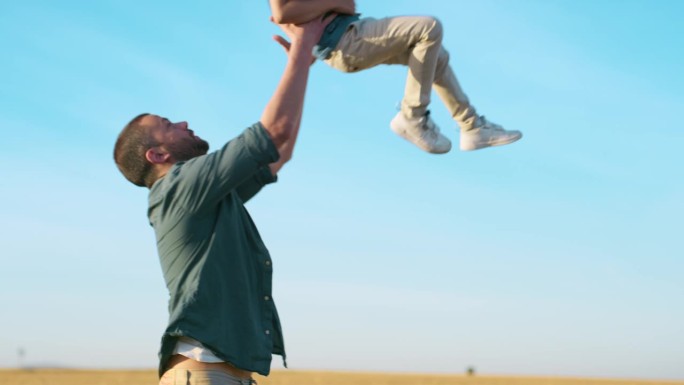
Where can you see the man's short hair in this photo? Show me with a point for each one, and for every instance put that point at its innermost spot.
(129, 153)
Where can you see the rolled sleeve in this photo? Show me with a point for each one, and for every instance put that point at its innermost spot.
(252, 186)
(205, 180)
(258, 141)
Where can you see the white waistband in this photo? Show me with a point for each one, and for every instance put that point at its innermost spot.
(194, 349)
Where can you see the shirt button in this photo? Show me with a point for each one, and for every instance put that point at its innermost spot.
(266, 298)
(268, 332)
(268, 263)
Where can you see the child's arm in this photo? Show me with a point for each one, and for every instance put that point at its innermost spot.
(301, 11)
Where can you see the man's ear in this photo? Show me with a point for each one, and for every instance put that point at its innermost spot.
(156, 155)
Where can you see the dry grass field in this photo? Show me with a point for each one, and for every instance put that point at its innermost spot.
(289, 377)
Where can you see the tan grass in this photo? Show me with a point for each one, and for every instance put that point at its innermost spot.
(292, 377)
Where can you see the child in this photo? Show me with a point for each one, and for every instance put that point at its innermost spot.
(351, 44)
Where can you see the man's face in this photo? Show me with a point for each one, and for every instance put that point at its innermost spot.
(175, 138)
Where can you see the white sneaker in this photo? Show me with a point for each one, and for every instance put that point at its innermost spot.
(487, 134)
(422, 132)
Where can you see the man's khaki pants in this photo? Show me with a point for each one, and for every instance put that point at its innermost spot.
(202, 377)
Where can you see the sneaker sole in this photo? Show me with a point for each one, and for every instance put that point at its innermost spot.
(500, 142)
(422, 146)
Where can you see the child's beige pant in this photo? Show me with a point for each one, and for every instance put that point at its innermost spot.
(416, 42)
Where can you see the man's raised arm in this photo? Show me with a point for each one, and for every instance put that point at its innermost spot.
(281, 117)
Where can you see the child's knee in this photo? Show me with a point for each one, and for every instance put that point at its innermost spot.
(435, 31)
(429, 27)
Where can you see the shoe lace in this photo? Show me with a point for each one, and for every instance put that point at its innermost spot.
(427, 124)
(485, 124)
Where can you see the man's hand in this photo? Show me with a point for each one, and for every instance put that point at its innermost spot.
(308, 33)
(286, 45)
(311, 30)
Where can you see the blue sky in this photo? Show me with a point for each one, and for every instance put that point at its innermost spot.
(558, 255)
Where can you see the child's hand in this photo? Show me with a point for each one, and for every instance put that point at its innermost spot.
(347, 7)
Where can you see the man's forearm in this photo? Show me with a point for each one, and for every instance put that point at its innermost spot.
(281, 115)
(301, 11)
(287, 149)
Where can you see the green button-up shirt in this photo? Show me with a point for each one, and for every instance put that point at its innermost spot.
(216, 267)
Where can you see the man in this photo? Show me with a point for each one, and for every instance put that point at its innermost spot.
(352, 44)
(223, 323)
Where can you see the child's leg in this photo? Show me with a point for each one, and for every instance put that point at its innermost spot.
(414, 41)
(476, 131)
(417, 43)
(449, 90)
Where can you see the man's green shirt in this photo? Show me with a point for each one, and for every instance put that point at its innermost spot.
(216, 267)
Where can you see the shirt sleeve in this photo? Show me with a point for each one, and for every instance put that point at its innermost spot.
(203, 181)
(253, 185)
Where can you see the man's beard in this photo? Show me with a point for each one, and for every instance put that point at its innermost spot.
(187, 150)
